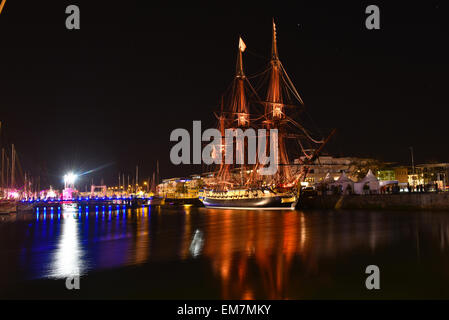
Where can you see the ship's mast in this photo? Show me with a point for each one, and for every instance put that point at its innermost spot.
(275, 111)
(239, 104)
(235, 115)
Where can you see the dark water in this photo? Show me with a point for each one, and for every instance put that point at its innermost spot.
(200, 253)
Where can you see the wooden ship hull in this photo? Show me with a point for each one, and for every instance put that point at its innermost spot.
(248, 199)
(265, 203)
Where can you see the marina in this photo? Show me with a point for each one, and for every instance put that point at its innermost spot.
(232, 183)
(293, 151)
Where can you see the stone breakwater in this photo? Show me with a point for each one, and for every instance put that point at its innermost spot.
(406, 201)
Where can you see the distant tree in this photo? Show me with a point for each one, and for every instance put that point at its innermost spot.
(359, 168)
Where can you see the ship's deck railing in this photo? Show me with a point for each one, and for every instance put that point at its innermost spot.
(241, 194)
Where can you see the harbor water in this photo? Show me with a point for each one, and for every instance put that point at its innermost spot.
(188, 252)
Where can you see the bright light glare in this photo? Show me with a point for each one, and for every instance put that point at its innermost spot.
(70, 178)
(51, 194)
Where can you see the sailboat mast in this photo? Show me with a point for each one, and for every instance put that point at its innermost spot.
(13, 166)
(157, 172)
(137, 177)
(7, 173)
(3, 171)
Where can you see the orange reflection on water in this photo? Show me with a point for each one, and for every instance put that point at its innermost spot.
(187, 234)
(142, 241)
(256, 246)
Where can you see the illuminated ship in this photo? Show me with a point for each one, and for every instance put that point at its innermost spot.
(242, 186)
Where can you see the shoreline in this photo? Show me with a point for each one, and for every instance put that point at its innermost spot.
(406, 201)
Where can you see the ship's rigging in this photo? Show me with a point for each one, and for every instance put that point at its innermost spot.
(242, 108)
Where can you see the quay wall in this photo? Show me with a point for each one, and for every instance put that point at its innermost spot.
(406, 201)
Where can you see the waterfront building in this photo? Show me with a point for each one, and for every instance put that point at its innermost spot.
(434, 173)
(335, 166)
(423, 174)
(176, 188)
(401, 174)
(386, 174)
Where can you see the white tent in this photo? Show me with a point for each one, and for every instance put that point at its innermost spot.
(345, 183)
(323, 185)
(387, 182)
(328, 179)
(370, 180)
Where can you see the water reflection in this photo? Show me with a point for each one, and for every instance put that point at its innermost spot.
(197, 243)
(263, 243)
(67, 258)
(250, 254)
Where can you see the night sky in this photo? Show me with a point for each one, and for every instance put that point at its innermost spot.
(108, 95)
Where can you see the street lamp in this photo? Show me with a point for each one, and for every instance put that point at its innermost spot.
(69, 179)
(413, 161)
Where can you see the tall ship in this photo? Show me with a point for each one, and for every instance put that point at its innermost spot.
(272, 103)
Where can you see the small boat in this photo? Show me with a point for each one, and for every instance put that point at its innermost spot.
(8, 206)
